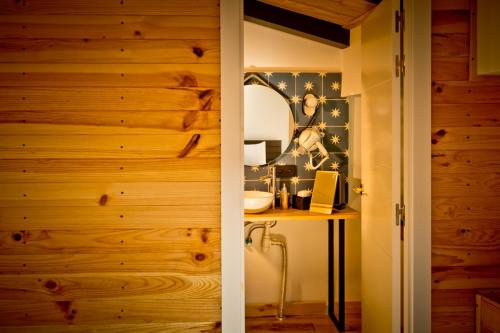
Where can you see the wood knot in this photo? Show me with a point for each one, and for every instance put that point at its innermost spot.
(137, 33)
(103, 200)
(188, 80)
(85, 40)
(439, 89)
(193, 142)
(189, 119)
(198, 51)
(64, 306)
(50, 284)
(204, 235)
(206, 97)
(17, 237)
(199, 256)
(438, 136)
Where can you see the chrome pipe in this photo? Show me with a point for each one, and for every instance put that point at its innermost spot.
(284, 272)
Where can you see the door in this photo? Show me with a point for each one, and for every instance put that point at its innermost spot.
(380, 171)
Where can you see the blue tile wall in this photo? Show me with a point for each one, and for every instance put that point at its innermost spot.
(333, 120)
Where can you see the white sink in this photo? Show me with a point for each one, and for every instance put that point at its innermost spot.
(257, 201)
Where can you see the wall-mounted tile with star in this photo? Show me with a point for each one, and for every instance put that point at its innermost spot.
(332, 120)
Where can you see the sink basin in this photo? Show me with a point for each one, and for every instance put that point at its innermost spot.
(257, 201)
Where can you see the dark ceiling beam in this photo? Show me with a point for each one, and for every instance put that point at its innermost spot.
(297, 24)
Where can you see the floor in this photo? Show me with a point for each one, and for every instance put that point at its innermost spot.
(301, 324)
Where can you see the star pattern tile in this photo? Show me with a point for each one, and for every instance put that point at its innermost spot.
(335, 113)
(335, 86)
(332, 120)
(282, 85)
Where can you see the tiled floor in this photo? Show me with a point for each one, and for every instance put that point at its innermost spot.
(301, 324)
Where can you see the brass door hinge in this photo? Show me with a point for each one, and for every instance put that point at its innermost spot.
(400, 214)
(399, 65)
(399, 21)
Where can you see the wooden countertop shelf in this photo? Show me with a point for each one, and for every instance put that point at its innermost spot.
(296, 214)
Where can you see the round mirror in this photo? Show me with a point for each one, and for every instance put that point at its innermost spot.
(269, 125)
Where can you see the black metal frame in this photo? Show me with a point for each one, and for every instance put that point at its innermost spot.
(340, 321)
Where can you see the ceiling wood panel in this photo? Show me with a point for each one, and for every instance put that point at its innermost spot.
(340, 12)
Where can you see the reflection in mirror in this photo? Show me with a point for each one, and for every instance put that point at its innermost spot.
(269, 125)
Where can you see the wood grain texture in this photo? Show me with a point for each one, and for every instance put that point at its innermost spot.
(109, 170)
(110, 7)
(104, 311)
(98, 99)
(301, 215)
(111, 51)
(466, 256)
(450, 45)
(104, 75)
(180, 327)
(479, 277)
(453, 321)
(450, 21)
(83, 241)
(343, 13)
(292, 309)
(450, 4)
(108, 122)
(465, 161)
(467, 234)
(465, 208)
(109, 217)
(106, 146)
(452, 298)
(466, 115)
(465, 185)
(465, 171)
(451, 310)
(108, 27)
(450, 68)
(309, 323)
(449, 92)
(465, 138)
(120, 286)
(110, 194)
(198, 261)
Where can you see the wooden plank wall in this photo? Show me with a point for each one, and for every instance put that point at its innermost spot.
(465, 172)
(109, 166)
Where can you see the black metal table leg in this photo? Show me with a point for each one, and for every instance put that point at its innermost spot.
(340, 320)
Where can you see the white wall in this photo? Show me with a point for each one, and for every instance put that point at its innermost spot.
(268, 48)
(351, 65)
(265, 48)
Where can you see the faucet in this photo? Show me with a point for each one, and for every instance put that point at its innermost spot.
(271, 186)
(253, 226)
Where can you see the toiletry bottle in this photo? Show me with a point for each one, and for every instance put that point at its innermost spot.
(284, 197)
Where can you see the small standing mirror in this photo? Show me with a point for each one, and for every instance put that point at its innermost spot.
(269, 125)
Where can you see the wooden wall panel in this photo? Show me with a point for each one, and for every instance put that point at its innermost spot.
(109, 51)
(108, 146)
(465, 172)
(112, 7)
(110, 166)
(191, 262)
(104, 75)
(109, 217)
(108, 27)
